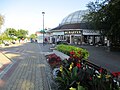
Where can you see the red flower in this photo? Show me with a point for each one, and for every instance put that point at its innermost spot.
(100, 70)
(71, 57)
(90, 78)
(72, 53)
(78, 65)
(116, 74)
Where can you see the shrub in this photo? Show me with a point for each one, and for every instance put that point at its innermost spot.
(86, 76)
(77, 73)
(68, 48)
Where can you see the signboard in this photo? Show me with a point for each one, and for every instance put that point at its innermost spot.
(72, 32)
(91, 32)
(58, 33)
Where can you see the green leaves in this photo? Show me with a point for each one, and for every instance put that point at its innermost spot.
(80, 87)
(1, 20)
(74, 74)
(80, 74)
(104, 16)
(33, 36)
(13, 34)
(22, 33)
(68, 48)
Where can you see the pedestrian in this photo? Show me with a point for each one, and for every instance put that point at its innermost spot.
(53, 40)
(46, 40)
(19, 40)
(108, 45)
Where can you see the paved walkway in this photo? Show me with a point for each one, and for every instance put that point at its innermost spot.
(28, 70)
(104, 58)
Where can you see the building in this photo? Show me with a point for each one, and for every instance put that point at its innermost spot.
(47, 35)
(75, 30)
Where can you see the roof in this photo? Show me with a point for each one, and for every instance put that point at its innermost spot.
(75, 17)
(73, 26)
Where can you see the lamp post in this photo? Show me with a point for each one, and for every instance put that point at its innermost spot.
(43, 26)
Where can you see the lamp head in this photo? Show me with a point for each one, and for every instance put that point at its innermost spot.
(43, 12)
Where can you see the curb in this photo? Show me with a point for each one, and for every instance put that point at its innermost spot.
(5, 69)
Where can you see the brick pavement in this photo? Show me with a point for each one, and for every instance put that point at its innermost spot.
(29, 70)
(104, 58)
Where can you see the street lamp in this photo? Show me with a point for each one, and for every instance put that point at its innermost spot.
(43, 27)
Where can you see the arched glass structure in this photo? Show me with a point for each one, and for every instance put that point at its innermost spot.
(75, 17)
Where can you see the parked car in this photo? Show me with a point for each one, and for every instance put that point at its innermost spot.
(13, 42)
(6, 43)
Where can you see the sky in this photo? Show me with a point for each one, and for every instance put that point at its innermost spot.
(27, 14)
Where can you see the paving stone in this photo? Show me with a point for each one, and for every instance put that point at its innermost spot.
(30, 73)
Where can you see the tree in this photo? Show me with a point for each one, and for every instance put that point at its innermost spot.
(11, 32)
(113, 19)
(5, 37)
(33, 36)
(14, 34)
(22, 33)
(96, 16)
(1, 23)
(1, 20)
(104, 16)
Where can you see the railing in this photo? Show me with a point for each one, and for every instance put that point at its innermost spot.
(112, 78)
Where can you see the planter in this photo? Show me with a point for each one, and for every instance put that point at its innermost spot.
(60, 54)
(74, 72)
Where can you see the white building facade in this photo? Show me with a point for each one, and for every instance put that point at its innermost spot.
(75, 31)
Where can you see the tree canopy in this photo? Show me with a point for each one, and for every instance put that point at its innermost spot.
(104, 15)
(15, 34)
(33, 36)
(1, 20)
(22, 33)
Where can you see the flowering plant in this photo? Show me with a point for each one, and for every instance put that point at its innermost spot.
(68, 49)
(77, 73)
(54, 60)
(88, 75)
(116, 74)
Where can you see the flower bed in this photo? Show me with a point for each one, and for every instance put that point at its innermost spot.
(77, 73)
(79, 52)
(54, 60)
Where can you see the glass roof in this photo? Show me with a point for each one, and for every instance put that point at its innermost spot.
(75, 17)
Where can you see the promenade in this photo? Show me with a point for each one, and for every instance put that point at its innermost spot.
(27, 70)
(104, 58)
(25, 66)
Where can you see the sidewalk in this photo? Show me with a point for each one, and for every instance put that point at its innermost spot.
(30, 70)
(4, 61)
(104, 58)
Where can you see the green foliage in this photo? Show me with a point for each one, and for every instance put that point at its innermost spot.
(33, 36)
(4, 36)
(79, 87)
(76, 73)
(1, 20)
(68, 48)
(104, 15)
(22, 33)
(67, 78)
(12, 34)
(86, 78)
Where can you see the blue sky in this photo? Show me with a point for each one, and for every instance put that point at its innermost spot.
(27, 14)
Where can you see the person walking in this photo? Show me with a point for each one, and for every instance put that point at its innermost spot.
(46, 40)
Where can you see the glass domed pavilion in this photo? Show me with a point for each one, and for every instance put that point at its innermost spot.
(75, 17)
(75, 30)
